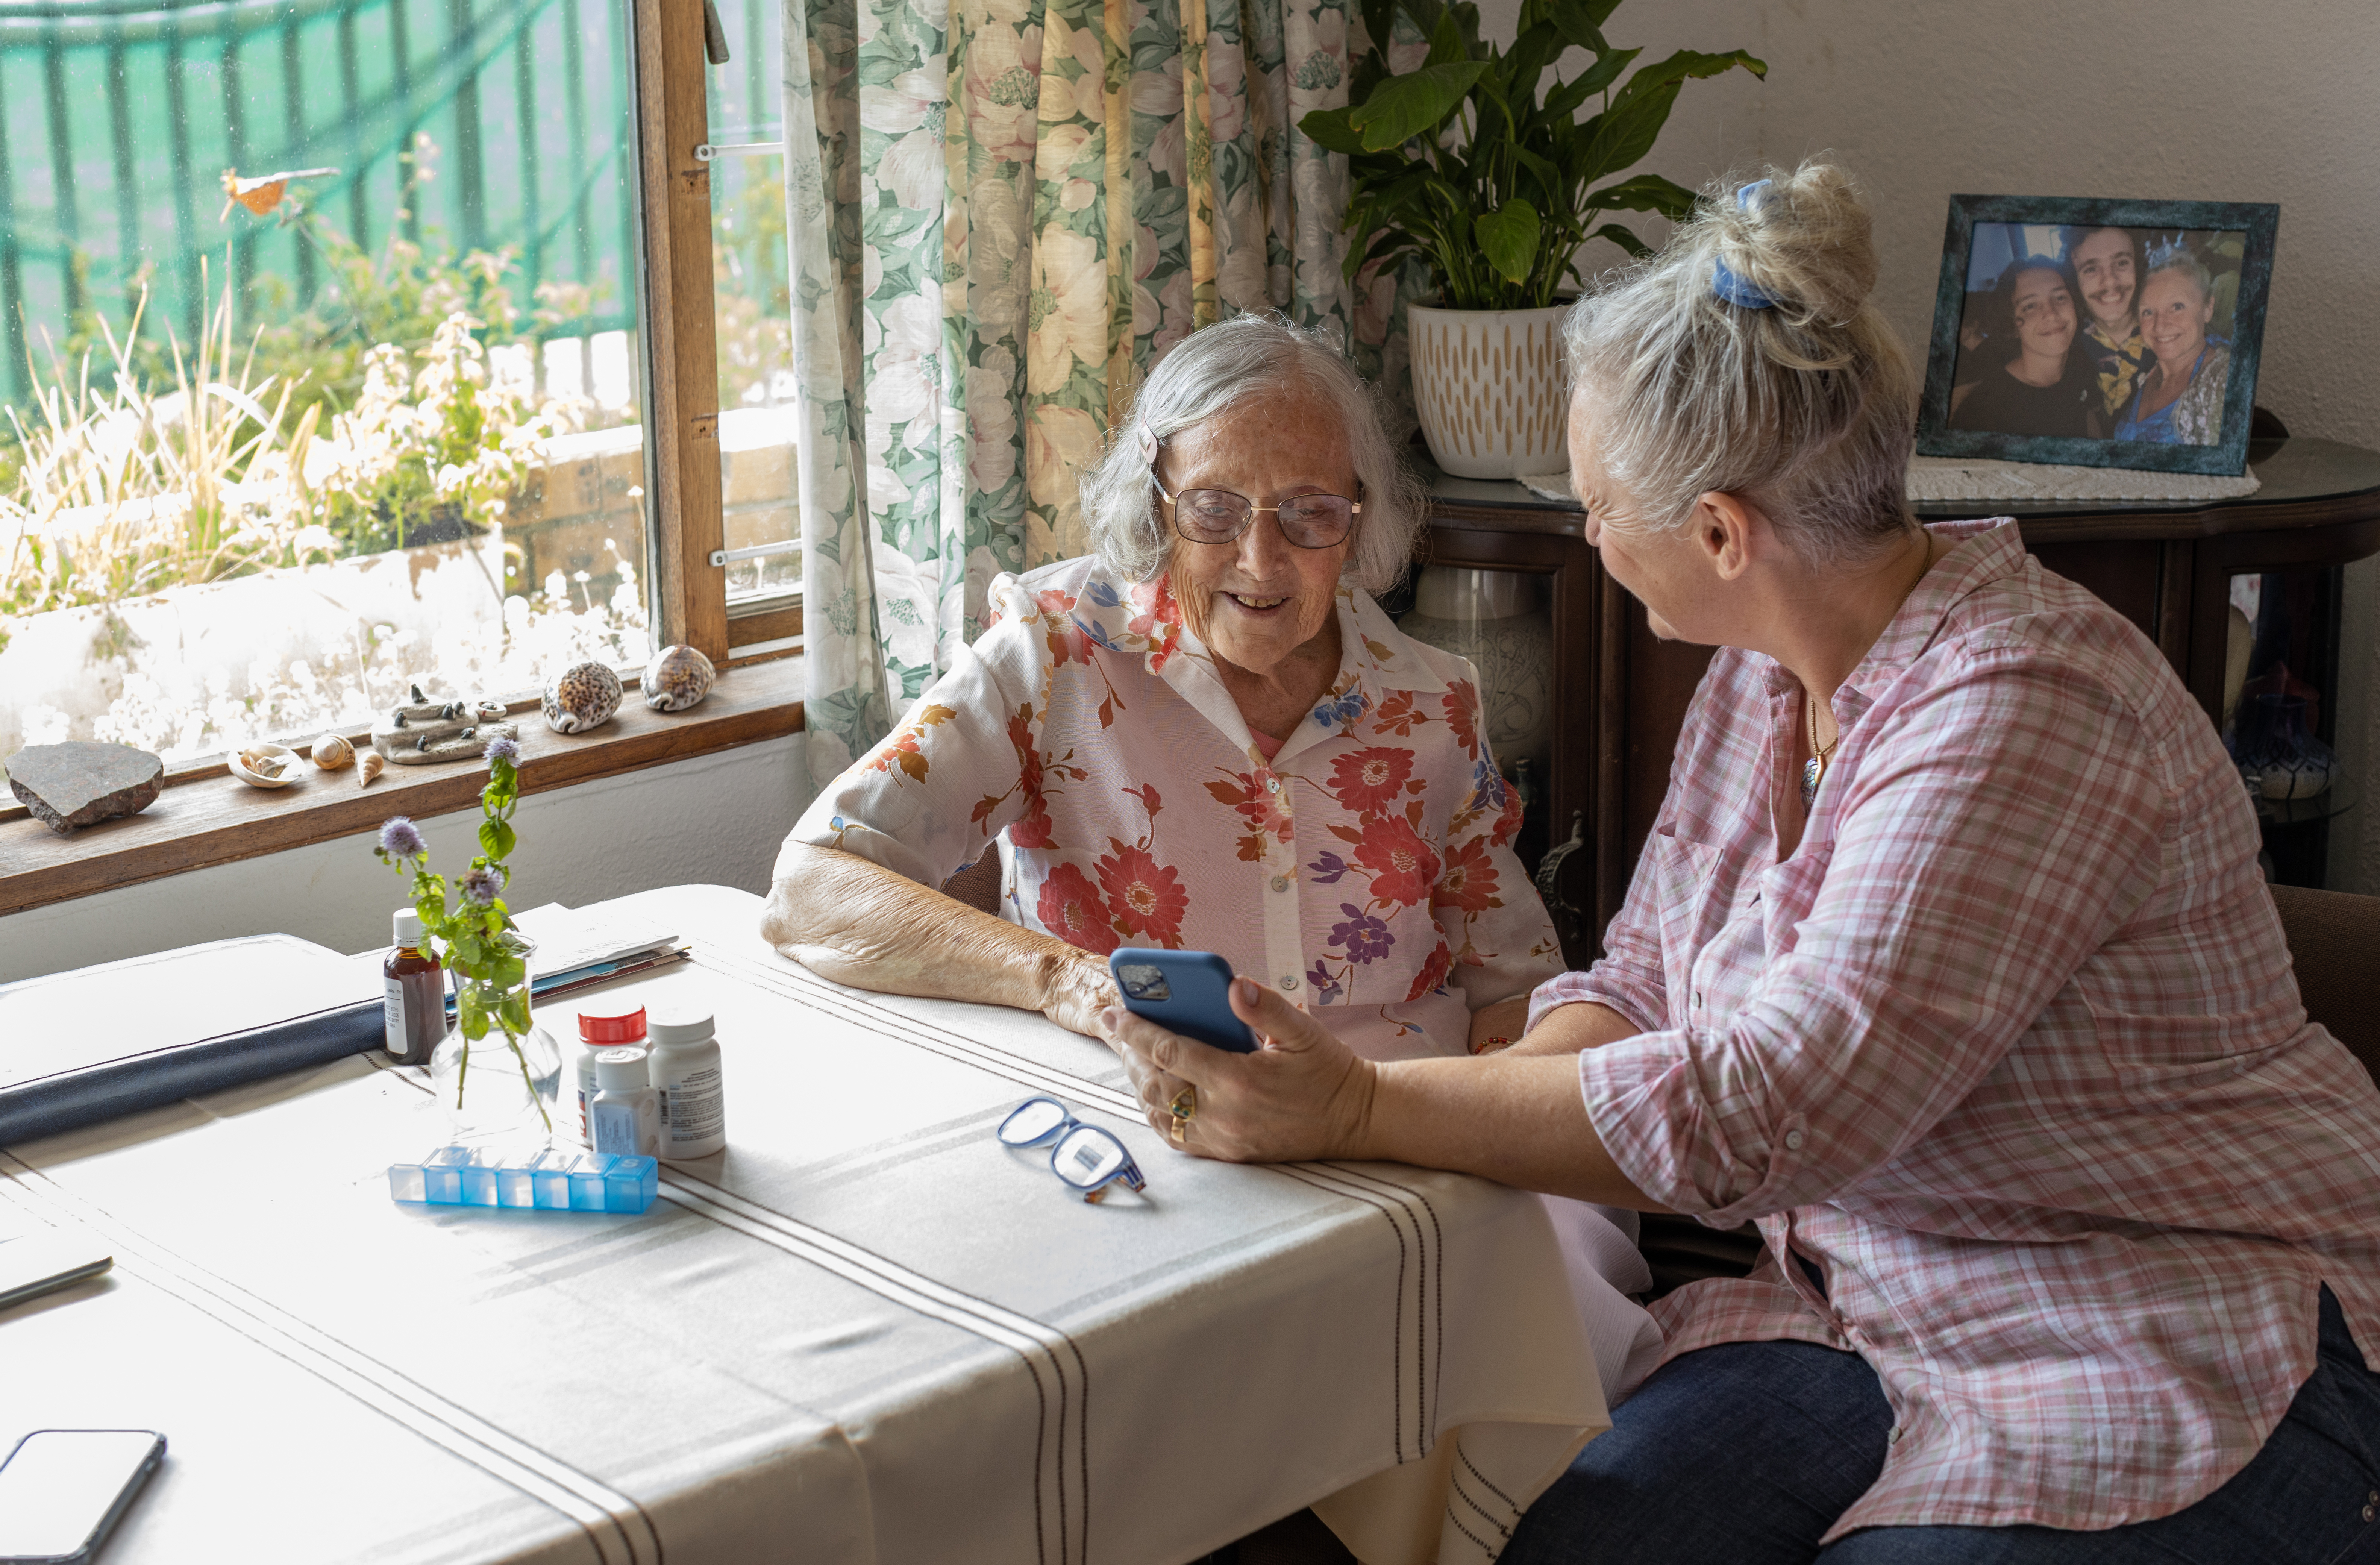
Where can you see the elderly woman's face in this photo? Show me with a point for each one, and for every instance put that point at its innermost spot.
(2174, 317)
(1255, 602)
(2103, 264)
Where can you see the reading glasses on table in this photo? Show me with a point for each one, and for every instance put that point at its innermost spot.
(1087, 1157)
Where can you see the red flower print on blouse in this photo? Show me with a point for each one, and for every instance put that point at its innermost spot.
(1146, 896)
(1462, 704)
(1159, 620)
(1405, 868)
(1258, 806)
(1398, 715)
(1071, 909)
(1371, 780)
(902, 749)
(1433, 973)
(1468, 880)
(1067, 642)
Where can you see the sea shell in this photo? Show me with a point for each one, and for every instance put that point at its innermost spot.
(677, 678)
(368, 765)
(584, 696)
(333, 751)
(264, 765)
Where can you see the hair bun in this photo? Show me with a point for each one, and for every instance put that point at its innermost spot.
(1802, 238)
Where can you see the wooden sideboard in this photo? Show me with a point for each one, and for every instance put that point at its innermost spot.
(1622, 693)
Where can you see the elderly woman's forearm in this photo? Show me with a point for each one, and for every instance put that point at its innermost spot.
(1519, 1119)
(859, 923)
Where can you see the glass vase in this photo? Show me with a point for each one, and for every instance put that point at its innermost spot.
(501, 1088)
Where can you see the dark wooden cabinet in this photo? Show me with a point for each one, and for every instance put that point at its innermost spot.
(1622, 693)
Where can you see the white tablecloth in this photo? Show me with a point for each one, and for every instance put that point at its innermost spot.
(865, 1332)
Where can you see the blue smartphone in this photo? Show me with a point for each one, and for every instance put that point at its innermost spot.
(1183, 991)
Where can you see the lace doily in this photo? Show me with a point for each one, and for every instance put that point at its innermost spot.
(1966, 478)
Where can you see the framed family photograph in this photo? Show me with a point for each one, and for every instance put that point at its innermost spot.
(2108, 333)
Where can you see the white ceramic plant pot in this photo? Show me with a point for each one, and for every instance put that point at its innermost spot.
(1487, 385)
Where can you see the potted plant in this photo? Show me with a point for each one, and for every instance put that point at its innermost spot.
(1462, 161)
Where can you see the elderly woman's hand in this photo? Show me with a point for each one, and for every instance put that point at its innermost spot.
(1303, 1095)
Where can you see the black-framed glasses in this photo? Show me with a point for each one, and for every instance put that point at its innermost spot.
(1218, 515)
(1087, 1157)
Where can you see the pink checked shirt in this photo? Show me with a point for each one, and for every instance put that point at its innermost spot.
(2009, 1047)
(1362, 869)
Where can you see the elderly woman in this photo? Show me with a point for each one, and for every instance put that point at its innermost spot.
(2046, 387)
(1948, 964)
(2181, 401)
(1206, 735)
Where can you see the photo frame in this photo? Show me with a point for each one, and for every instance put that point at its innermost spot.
(2023, 274)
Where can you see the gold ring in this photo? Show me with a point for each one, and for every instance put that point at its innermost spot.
(1177, 1132)
(1184, 1106)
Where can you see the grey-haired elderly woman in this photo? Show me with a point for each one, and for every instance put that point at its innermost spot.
(1204, 735)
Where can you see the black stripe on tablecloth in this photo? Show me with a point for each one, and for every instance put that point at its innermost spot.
(1351, 1182)
(1035, 1344)
(619, 1529)
(1501, 1517)
(914, 1290)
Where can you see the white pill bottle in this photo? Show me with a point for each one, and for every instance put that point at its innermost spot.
(685, 1066)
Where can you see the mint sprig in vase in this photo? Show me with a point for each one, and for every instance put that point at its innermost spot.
(498, 1072)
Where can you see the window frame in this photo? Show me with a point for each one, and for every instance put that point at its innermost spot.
(677, 308)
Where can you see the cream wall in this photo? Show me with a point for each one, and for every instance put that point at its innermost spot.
(2204, 99)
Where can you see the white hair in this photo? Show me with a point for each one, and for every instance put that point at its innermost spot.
(1805, 406)
(1207, 373)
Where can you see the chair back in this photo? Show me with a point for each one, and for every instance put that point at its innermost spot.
(2335, 943)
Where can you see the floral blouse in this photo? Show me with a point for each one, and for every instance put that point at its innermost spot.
(1364, 869)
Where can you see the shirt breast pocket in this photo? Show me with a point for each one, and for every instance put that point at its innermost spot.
(1682, 873)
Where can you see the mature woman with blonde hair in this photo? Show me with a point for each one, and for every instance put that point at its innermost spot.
(1205, 735)
(1947, 962)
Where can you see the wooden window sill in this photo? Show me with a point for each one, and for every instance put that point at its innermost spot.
(207, 817)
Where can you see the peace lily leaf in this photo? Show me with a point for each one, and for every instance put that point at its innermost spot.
(1329, 129)
(1624, 240)
(1407, 106)
(1645, 192)
(1564, 101)
(1507, 237)
(1446, 42)
(1577, 24)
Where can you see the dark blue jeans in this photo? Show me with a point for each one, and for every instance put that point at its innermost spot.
(1744, 1454)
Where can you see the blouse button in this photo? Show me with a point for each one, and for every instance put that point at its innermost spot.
(1793, 1141)
(1289, 980)
(1272, 784)
(1280, 882)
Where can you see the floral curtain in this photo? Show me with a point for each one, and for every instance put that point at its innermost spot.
(1002, 212)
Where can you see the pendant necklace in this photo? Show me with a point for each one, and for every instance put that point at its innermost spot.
(1814, 768)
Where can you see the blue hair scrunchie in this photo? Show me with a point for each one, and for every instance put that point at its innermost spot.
(1726, 283)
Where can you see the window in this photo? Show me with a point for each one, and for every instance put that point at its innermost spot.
(383, 404)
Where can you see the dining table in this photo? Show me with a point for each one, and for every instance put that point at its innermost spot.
(866, 1332)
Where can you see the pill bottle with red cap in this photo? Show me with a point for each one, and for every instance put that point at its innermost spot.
(600, 1028)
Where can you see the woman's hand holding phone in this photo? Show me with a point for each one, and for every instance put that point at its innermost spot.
(1303, 1095)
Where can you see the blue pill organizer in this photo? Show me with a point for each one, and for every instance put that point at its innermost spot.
(551, 1180)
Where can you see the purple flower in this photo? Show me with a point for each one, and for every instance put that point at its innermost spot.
(1365, 937)
(401, 838)
(1326, 988)
(1328, 868)
(481, 885)
(501, 750)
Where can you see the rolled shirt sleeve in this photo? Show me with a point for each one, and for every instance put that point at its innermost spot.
(2006, 818)
(931, 796)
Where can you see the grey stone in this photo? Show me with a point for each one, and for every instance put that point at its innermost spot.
(80, 782)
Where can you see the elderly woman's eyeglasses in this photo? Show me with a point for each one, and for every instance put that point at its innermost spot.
(1084, 1157)
(1218, 515)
